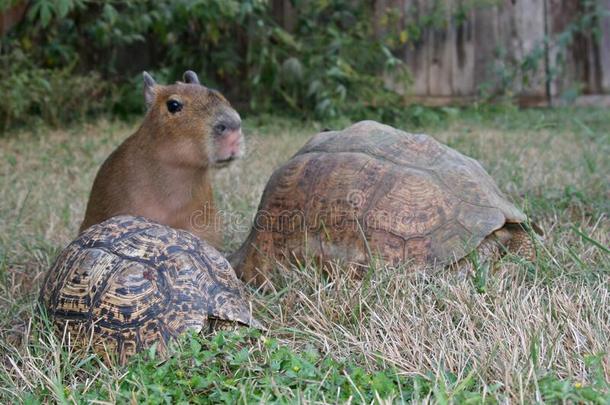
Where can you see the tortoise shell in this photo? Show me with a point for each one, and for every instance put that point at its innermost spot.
(129, 282)
(370, 190)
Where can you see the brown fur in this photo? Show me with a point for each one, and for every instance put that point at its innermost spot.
(162, 171)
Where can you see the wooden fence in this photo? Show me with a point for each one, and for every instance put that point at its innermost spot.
(487, 48)
(11, 16)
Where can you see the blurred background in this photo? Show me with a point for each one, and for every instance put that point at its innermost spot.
(63, 60)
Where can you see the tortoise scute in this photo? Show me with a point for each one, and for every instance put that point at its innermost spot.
(130, 283)
(380, 142)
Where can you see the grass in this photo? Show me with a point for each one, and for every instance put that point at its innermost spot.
(525, 333)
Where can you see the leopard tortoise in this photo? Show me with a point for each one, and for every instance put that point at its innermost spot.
(128, 282)
(373, 190)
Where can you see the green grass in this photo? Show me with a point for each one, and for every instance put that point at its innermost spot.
(244, 366)
(522, 333)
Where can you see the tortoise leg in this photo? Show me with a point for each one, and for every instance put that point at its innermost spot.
(521, 242)
(488, 252)
(512, 238)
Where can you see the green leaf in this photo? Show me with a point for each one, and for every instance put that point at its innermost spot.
(45, 13)
(63, 7)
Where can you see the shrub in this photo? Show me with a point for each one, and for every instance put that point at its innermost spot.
(332, 63)
(32, 93)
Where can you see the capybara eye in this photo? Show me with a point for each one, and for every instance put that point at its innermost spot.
(174, 106)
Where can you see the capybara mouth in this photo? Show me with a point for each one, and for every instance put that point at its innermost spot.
(225, 162)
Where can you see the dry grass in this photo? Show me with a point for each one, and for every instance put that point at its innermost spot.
(524, 322)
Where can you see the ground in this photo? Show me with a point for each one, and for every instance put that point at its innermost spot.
(527, 332)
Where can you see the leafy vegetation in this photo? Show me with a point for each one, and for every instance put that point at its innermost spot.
(72, 58)
(247, 367)
(329, 64)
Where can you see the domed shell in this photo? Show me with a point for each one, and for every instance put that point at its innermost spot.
(374, 190)
(136, 283)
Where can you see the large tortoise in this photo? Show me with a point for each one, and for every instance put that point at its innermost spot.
(128, 282)
(373, 190)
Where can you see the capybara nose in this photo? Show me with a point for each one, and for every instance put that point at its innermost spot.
(230, 145)
(235, 139)
(228, 137)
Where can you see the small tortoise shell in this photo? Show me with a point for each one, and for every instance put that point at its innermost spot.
(128, 282)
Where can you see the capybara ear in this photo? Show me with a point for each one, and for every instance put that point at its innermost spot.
(190, 77)
(149, 89)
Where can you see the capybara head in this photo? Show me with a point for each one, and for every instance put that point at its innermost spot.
(198, 124)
